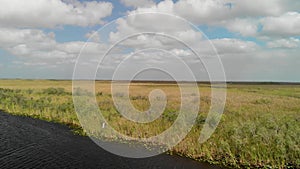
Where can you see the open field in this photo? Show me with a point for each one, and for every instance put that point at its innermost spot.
(260, 126)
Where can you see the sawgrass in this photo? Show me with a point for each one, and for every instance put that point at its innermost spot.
(260, 126)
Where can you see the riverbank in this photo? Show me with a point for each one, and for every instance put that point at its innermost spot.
(32, 143)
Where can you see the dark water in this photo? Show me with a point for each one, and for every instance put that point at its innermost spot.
(31, 143)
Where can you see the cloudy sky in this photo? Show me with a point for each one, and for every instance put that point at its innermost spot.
(255, 40)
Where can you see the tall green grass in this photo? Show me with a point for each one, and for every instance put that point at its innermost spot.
(260, 127)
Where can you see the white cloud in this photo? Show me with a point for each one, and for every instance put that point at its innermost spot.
(287, 24)
(237, 16)
(52, 13)
(39, 47)
(229, 46)
(284, 43)
(168, 28)
(93, 36)
(20, 20)
(163, 41)
(257, 7)
(245, 27)
(179, 29)
(148, 22)
(212, 11)
(137, 3)
(22, 41)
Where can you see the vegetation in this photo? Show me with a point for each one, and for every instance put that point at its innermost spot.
(259, 128)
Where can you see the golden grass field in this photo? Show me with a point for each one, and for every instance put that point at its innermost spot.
(260, 126)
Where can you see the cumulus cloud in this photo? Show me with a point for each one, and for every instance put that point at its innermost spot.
(148, 22)
(93, 36)
(234, 46)
(212, 11)
(52, 13)
(275, 22)
(168, 31)
(177, 29)
(20, 41)
(284, 43)
(244, 27)
(42, 47)
(237, 16)
(21, 36)
(284, 25)
(137, 3)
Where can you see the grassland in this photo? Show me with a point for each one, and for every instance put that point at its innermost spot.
(260, 126)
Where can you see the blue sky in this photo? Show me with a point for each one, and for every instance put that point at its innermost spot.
(254, 43)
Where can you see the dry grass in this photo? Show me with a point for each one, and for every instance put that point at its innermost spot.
(260, 126)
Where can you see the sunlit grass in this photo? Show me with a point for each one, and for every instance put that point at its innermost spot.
(260, 126)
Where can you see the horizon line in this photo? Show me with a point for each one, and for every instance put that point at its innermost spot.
(166, 81)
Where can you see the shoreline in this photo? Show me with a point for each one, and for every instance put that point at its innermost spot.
(52, 141)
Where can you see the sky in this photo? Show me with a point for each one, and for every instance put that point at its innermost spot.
(248, 40)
